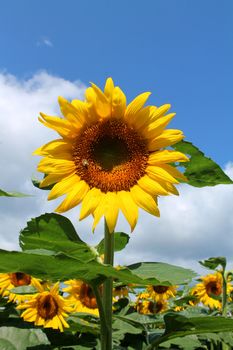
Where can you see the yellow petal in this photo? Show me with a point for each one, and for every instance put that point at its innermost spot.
(141, 118)
(107, 207)
(167, 156)
(160, 111)
(53, 178)
(82, 108)
(128, 208)
(74, 197)
(90, 202)
(166, 138)
(156, 173)
(155, 128)
(111, 214)
(144, 200)
(118, 103)
(62, 126)
(136, 105)
(102, 105)
(151, 186)
(174, 172)
(59, 166)
(71, 113)
(108, 89)
(64, 186)
(55, 147)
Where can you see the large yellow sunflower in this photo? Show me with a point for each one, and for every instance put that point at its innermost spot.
(209, 288)
(81, 296)
(149, 307)
(110, 156)
(46, 308)
(161, 293)
(9, 281)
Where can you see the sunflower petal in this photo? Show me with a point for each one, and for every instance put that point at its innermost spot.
(151, 186)
(59, 166)
(53, 148)
(74, 197)
(118, 103)
(174, 172)
(63, 186)
(166, 138)
(136, 105)
(60, 125)
(71, 113)
(53, 178)
(111, 214)
(144, 200)
(102, 105)
(128, 208)
(157, 172)
(90, 202)
(155, 128)
(108, 89)
(167, 156)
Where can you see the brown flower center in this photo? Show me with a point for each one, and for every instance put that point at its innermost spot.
(20, 279)
(214, 288)
(160, 289)
(110, 155)
(155, 308)
(47, 306)
(87, 297)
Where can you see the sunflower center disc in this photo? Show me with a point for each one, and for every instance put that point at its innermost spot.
(110, 155)
(87, 296)
(160, 289)
(20, 279)
(47, 307)
(213, 288)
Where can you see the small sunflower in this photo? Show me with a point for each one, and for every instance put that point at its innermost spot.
(110, 156)
(210, 287)
(121, 291)
(9, 281)
(159, 292)
(149, 307)
(46, 308)
(81, 296)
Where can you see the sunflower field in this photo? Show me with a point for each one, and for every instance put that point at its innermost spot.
(59, 292)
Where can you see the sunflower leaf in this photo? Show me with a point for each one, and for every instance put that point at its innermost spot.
(13, 194)
(13, 338)
(212, 263)
(201, 171)
(121, 239)
(54, 233)
(179, 326)
(167, 274)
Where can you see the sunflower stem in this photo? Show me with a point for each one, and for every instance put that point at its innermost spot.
(106, 333)
(103, 323)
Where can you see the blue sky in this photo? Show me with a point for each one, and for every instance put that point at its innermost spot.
(181, 51)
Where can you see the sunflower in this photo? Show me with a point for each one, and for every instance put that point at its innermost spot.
(210, 289)
(46, 308)
(110, 155)
(81, 296)
(149, 307)
(9, 281)
(159, 292)
(121, 291)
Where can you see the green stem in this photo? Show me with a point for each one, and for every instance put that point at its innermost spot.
(103, 323)
(224, 294)
(106, 334)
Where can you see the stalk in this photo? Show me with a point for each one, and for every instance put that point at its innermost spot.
(106, 334)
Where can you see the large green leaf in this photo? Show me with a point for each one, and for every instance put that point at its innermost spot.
(55, 233)
(178, 325)
(120, 241)
(62, 267)
(167, 274)
(201, 171)
(12, 194)
(212, 263)
(12, 338)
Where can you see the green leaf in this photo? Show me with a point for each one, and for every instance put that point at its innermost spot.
(24, 290)
(121, 239)
(13, 194)
(214, 262)
(201, 171)
(36, 182)
(53, 232)
(63, 267)
(178, 325)
(190, 342)
(167, 274)
(12, 338)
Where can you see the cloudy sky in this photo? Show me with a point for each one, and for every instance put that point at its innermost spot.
(180, 51)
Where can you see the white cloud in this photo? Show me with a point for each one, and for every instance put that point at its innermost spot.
(196, 225)
(44, 42)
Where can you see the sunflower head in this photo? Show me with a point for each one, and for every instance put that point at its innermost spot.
(46, 308)
(110, 156)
